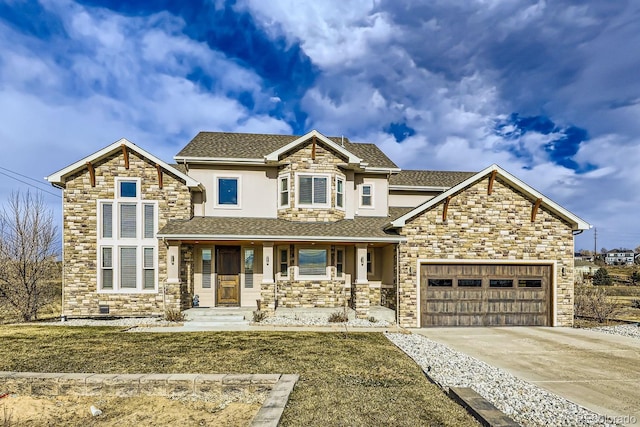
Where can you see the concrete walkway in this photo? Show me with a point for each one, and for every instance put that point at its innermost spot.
(596, 370)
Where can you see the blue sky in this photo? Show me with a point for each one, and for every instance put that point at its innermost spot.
(548, 90)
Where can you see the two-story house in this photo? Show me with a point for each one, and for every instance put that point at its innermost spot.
(619, 257)
(310, 221)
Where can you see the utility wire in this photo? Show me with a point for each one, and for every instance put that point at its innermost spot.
(29, 184)
(24, 176)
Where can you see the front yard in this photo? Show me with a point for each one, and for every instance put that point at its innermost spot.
(354, 379)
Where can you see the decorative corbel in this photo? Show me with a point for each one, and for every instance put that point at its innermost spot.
(313, 148)
(534, 210)
(125, 153)
(492, 178)
(92, 174)
(159, 170)
(445, 208)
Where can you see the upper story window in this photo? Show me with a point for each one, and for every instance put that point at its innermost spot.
(283, 183)
(339, 192)
(128, 189)
(313, 190)
(366, 195)
(228, 189)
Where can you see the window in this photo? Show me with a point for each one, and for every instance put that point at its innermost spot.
(339, 262)
(529, 283)
(501, 283)
(149, 221)
(128, 268)
(366, 199)
(206, 268)
(440, 283)
(369, 261)
(284, 262)
(128, 189)
(248, 268)
(107, 268)
(149, 269)
(312, 262)
(107, 220)
(284, 191)
(339, 192)
(470, 283)
(312, 190)
(127, 247)
(228, 191)
(128, 221)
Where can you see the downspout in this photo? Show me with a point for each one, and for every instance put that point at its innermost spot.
(397, 284)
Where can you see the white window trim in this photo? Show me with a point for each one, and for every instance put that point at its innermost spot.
(313, 205)
(279, 274)
(373, 262)
(361, 191)
(116, 243)
(344, 262)
(280, 178)
(344, 201)
(216, 195)
(296, 273)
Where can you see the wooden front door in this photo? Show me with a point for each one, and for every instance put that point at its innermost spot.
(228, 272)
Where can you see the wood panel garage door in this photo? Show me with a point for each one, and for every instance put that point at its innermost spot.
(485, 295)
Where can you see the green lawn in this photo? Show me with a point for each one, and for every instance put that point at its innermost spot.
(357, 379)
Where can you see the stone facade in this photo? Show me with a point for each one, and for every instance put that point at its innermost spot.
(326, 162)
(486, 227)
(80, 295)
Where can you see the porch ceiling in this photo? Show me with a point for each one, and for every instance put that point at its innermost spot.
(364, 229)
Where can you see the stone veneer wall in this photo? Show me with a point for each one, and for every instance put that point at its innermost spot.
(80, 296)
(325, 162)
(486, 227)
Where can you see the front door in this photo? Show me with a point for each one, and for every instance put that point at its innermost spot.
(228, 270)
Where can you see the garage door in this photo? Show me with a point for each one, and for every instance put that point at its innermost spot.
(485, 295)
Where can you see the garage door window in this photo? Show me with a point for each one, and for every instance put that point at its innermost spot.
(470, 283)
(441, 282)
(500, 283)
(530, 283)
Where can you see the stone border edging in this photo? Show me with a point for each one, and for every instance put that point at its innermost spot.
(127, 385)
(480, 408)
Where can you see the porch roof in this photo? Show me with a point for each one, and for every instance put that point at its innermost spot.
(359, 229)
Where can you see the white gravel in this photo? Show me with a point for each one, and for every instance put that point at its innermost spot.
(124, 322)
(321, 321)
(631, 330)
(525, 403)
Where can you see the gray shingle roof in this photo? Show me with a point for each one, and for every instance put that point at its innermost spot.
(420, 178)
(364, 228)
(256, 146)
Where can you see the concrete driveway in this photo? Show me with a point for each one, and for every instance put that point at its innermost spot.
(596, 370)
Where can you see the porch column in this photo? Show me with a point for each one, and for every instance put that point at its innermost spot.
(362, 301)
(172, 287)
(268, 286)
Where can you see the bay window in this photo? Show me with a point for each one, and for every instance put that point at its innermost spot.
(313, 190)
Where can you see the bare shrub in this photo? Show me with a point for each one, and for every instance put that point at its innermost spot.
(592, 301)
(259, 316)
(173, 315)
(338, 317)
(635, 303)
(28, 240)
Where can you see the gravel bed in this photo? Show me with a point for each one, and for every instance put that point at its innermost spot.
(121, 322)
(630, 330)
(321, 321)
(525, 403)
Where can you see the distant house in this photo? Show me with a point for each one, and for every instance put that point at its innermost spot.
(310, 221)
(619, 257)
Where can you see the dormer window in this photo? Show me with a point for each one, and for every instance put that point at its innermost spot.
(313, 190)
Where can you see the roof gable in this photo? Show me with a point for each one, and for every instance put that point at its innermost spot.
(576, 222)
(352, 159)
(60, 176)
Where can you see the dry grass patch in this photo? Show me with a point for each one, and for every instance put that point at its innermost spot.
(356, 379)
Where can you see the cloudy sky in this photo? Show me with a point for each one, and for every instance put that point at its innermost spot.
(548, 90)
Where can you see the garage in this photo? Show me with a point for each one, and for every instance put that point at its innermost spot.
(485, 294)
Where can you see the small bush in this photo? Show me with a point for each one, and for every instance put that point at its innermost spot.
(259, 316)
(591, 301)
(372, 319)
(338, 317)
(173, 315)
(635, 303)
(602, 278)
